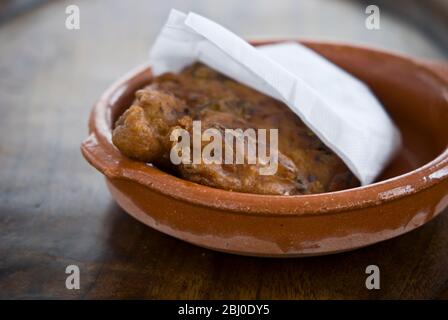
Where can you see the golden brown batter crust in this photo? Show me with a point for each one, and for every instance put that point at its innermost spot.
(305, 165)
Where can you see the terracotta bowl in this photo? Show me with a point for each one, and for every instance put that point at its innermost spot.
(410, 192)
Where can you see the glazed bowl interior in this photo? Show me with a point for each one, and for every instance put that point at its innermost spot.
(418, 107)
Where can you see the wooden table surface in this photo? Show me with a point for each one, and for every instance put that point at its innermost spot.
(55, 209)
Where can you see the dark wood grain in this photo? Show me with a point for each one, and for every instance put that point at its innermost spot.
(55, 209)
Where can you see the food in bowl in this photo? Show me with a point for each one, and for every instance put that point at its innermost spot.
(172, 101)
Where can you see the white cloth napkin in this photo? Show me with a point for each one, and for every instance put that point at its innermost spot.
(337, 107)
